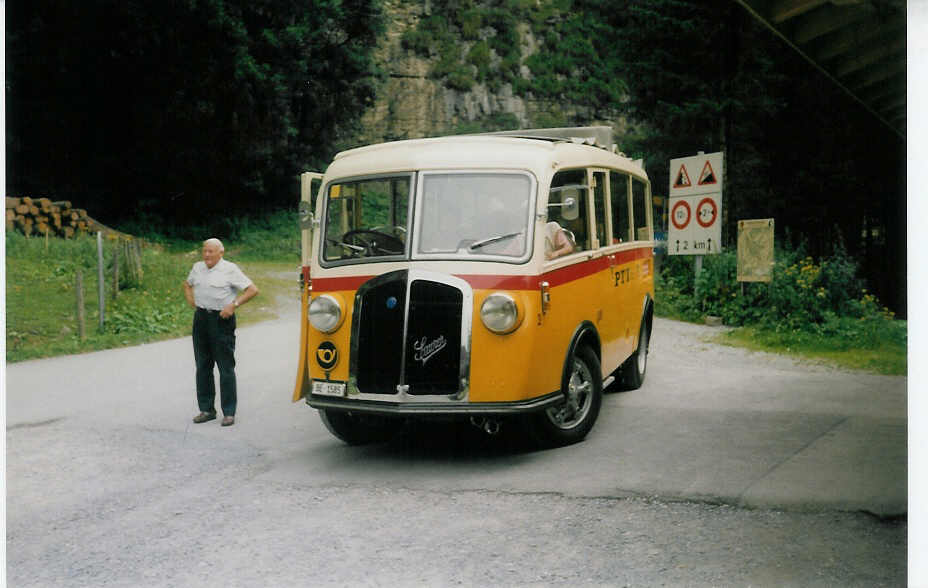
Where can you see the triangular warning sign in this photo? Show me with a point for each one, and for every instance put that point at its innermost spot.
(707, 176)
(683, 179)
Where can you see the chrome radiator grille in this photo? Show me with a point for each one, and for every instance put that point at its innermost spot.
(411, 335)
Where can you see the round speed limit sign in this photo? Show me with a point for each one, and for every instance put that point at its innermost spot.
(680, 215)
(706, 212)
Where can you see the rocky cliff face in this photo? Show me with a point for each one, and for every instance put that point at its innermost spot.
(410, 104)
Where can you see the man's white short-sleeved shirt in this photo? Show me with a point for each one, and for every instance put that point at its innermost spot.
(214, 288)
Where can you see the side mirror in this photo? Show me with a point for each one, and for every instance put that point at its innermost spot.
(570, 205)
(305, 212)
(568, 202)
(570, 208)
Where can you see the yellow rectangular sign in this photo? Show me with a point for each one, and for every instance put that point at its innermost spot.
(755, 250)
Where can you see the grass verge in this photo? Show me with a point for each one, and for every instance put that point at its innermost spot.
(792, 316)
(887, 359)
(41, 297)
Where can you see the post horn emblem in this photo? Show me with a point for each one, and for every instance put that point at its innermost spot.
(327, 355)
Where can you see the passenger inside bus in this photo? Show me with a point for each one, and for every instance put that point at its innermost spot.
(569, 194)
(558, 241)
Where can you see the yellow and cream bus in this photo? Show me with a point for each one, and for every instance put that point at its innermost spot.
(498, 278)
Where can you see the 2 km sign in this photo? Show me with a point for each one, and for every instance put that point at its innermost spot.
(695, 226)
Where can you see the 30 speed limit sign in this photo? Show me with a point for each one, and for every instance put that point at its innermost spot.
(695, 226)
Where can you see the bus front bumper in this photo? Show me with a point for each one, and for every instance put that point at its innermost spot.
(425, 409)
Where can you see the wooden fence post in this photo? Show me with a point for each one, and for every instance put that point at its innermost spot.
(116, 269)
(138, 258)
(79, 290)
(100, 287)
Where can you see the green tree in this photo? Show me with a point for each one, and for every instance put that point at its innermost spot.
(706, 76)
(182, 110)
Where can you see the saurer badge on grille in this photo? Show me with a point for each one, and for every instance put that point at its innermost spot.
(425, 349)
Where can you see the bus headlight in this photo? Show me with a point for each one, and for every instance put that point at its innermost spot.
(325, 313)
(500, 313)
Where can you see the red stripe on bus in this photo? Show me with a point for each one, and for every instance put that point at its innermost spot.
(556, 277)
(336, 284)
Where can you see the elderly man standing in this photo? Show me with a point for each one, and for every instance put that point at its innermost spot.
(215, 288)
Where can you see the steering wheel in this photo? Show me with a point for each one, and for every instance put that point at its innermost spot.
(374, 242)
(396, 229)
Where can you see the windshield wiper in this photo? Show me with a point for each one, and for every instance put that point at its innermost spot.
(489, 240)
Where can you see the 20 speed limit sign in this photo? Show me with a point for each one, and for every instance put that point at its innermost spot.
(680, 214)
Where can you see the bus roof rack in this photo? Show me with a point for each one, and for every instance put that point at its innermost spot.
(596, 136)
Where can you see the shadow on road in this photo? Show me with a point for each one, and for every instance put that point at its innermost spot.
(455, 440)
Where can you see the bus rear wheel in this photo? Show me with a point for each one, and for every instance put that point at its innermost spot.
(636, 366)
(358, 429)
(571, 420)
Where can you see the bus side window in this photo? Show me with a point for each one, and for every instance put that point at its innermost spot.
(640, 210)
(618, 187)
(574, 218)
(599, 207)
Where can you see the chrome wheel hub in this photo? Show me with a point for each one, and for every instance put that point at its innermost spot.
(578, 400)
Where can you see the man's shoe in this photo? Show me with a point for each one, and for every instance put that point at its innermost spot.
(204, 416)
(227, 420)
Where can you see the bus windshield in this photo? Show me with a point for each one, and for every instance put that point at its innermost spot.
(367, 218)
(474, 214)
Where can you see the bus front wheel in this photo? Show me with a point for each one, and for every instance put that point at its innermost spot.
(357, 429)
(571, 420)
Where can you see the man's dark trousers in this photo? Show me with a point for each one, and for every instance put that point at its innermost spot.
(214, 344)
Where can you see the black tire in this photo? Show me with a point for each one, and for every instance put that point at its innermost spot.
(358, 429)
(636, 366)
(571, 421)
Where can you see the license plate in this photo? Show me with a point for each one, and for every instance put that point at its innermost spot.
(329, 388)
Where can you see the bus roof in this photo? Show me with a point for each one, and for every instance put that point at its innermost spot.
(539, 150)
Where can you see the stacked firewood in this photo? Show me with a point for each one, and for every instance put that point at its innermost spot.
(43, 216)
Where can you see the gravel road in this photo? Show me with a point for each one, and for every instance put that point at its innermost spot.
(109, 484)
(131, 507)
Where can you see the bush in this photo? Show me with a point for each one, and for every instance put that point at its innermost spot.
(818, 299)
(673, 286)
(840, 282)
(479, 57)
(797, 298)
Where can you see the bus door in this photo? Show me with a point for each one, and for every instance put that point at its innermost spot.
(310, 183)
(609, 317)
(617, 345)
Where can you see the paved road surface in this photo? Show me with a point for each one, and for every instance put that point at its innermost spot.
(726, 468)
